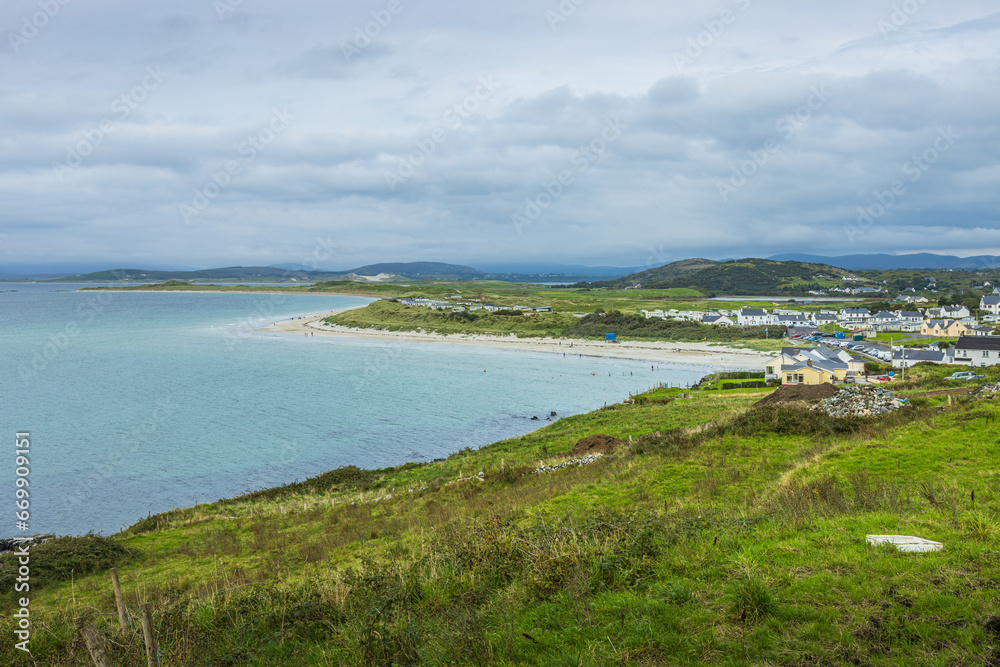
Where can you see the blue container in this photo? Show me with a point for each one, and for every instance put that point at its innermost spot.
(611, 337)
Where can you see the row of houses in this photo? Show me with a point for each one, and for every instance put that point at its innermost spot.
(463, 306)
(798, 365)
(947, 321)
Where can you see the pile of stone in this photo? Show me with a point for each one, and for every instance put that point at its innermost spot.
(860, 400)
(987, 391)
(584, 461)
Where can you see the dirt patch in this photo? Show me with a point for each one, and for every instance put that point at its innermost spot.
(964, 391)
(798, 392)
(595, 444)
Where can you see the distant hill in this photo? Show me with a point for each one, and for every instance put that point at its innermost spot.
(741, 277)
(923, 260)
(388, 271)
(667, 271)
(421, 271)
(547, 269)
(253, 274)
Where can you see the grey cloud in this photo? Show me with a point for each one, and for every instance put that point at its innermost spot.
(655, 187)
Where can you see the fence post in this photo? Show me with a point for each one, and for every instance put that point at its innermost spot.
(95, 646)
(122, 618)
(147, 633)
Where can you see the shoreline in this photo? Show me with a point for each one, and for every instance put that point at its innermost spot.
(662, 351)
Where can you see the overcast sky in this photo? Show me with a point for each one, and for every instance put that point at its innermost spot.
(195, 133)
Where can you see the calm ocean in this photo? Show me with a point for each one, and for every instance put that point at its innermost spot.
(140, 402)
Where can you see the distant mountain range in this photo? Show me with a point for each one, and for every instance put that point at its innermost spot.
(923, 260)
(294, 273)
(762, 274)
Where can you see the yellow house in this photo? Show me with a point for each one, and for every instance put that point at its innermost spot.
(812, 365)
(806, 373)
(943, 328)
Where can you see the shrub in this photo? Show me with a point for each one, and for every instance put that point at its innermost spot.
(66, 557)
(751, 594)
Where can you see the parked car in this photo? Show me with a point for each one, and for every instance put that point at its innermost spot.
(965, 375)
(884, 378)
(797, 336)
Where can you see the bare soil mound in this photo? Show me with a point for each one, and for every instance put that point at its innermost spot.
(595, 444)
(798, 392)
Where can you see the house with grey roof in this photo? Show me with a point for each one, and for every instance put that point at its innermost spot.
(717, 320)
(905, 358)
(754, 317)
(819, 319)
(805, 365)
(978, 350)
(793, 320)
(948, 312)
(990, 304)
(855, 315)
(883, 317)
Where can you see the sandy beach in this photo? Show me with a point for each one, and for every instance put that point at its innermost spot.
(662, 351)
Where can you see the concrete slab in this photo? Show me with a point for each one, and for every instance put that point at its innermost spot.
(905, 542)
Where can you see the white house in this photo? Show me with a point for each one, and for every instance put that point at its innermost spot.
(948, 312)
(978, 350)
(819, 319)
(990, 304)
(792, 320)
(855, 315)
(909, 298)
(910, 316)
(717, 320)
(904, 358)
(754, 317)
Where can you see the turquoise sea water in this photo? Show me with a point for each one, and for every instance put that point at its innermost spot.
(139, 402)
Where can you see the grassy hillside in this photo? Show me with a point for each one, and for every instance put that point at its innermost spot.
(684, 546)
(756, 277)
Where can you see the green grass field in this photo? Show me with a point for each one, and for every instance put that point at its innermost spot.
(684, 546)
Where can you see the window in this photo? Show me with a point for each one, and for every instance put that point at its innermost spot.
(770, 370)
